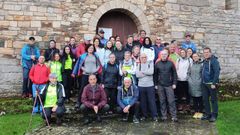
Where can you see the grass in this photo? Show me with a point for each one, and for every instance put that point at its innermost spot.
(228, 120)
(17, 124)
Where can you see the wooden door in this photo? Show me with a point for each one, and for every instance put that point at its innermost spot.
(120, 23)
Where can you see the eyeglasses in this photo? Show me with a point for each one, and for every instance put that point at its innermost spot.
(143, 57)
(158, 39)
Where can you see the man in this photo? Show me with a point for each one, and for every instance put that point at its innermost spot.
(188, 43)
(142, 36)
(173, 55)
(166, 80)
(49, 53)
(30, 54)
(73, 46)
(102, 39)
(127, 99)
(53, 95)
(210, 77)
(39, 76)
(136, 40)
(158, 47)
(93, 99)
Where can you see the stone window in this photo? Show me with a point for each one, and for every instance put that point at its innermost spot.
(231, 4)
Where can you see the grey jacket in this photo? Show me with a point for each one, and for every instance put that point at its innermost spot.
(144, 72)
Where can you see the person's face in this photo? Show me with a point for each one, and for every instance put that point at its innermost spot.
(206, 54)
(52, 44)
(135, 38)
(92, 80)
(90, 49)
(130, 40)
(143, 58)
(164, 55)
(195, 57)
(189, 52)
(127, 56)
(53, 80)
(127, 83)
(96, 42)
(67, 50)
(31, 42)
(101, 35)
(72, 41)
(147, 41)
(87, 41)
(112, 58)
(171, 48)
(41, 59)
(112, 40)
(136, 50)
(109, 44)
(118, 45)
(56, 57)
(142, 34)
(117, 38)
(158, 40)
(188, 38)
(182, 53)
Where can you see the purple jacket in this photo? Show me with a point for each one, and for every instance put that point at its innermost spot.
(91, 98)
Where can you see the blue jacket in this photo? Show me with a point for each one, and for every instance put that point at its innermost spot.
(211, 71)
(157, 50)
(186, 45)
(26, 52)
(80, 61)
(132, 92)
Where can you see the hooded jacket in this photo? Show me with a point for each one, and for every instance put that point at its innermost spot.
(211, 70)
(119, 55)
(110, 75)
(183, 65)
(26, 52)
(39, 74)
(132, 93)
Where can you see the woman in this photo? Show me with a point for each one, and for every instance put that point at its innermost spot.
(189, 53)
(105, 52)
(110, 80)
(51, 50)
(87, 64)
(148, 49)
(144, 72)
(195, 83)
(182, 66)
(119, 52)
(112, 39)
(68, 60)
(56, 67)
(96, 43)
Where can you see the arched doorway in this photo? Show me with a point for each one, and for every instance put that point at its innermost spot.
(119, 23)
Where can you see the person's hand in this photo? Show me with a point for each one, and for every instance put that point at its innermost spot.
(156, 87)
(126, 109)
(174, 86)
(72, 75)
(95, 108)
(54, 108)
(213, 86)
(103, 85)
(33, 57)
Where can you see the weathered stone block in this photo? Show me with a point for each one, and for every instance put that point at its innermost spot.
(46, 24)
(36, 24)
(23, 23)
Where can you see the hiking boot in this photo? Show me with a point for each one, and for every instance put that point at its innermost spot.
(135, 120)
(195, 116)
(205, 117)
(99, 119)
(163, 119)
(155, 119)
(24, 95)
(86, 121)
(212, 119)
(125, 118)
(180, 107)
(30, 95)
(174, 120)
(200, 115)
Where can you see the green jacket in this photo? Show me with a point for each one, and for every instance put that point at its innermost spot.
(56, 67)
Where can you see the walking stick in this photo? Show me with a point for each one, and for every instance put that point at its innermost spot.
(44, 112)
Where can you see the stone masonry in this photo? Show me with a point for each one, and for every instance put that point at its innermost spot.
(213, 23)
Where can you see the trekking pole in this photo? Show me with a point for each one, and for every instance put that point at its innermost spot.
(30, 122)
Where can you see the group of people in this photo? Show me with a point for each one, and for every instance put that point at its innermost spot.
(126, 79)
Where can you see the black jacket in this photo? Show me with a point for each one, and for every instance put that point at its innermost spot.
(60, 94)
(137, 43)
(128, 47)
(119, 55)
(165, 74)
(110, 75)
(50, 52)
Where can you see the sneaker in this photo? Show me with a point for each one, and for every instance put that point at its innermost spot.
(180, 107)
(212, 119)
(205, 117)
(195, 116)
(99, 119)
(86, 121)
(135, 120)
(125, 118)
(142, 118)
(200, 115)
(155, 119)
(164, 119)
(174, 120)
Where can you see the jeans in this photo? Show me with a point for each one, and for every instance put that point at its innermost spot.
(27, 83)
(37, 88)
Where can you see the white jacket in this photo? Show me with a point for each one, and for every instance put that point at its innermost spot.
(182, 66)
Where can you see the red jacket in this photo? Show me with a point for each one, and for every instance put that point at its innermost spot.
(39, 74)
(90, 98)
(80, 50)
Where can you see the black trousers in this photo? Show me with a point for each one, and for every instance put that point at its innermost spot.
(67, 82)
(182, 92)
(59, 112)
(86, 111)
(198, 104)
(133, 109)
(27, 83)
(112, 97)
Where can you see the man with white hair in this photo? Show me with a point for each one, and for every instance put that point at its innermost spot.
(165, 80)
(127, 99)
